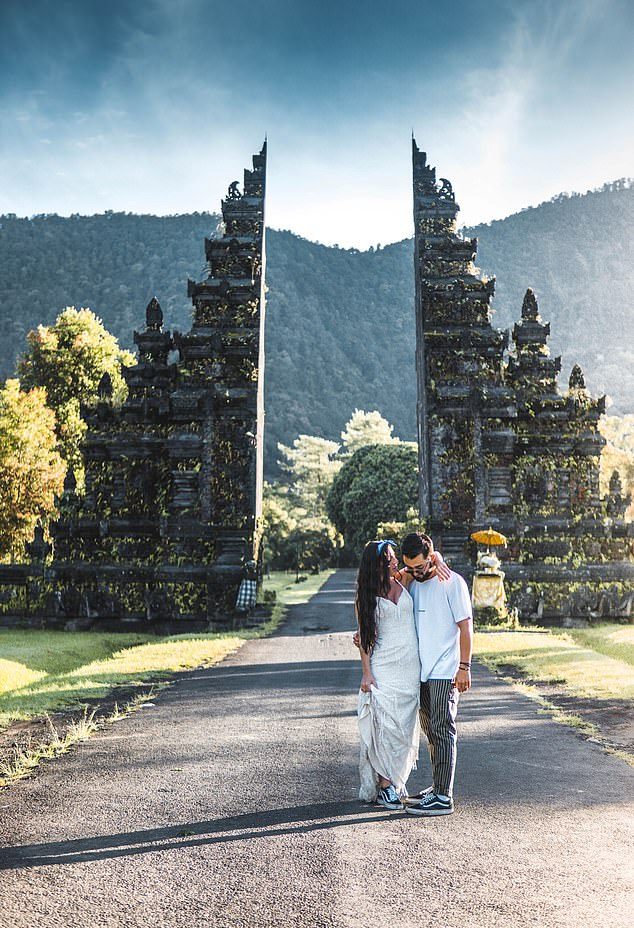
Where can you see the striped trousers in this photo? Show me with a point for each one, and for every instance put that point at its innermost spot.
(438, 710)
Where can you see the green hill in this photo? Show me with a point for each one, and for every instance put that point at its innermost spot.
(577, 253)
(340, 327)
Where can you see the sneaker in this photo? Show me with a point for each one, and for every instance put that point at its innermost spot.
(431, 804)
(412, 800)
(389, 798)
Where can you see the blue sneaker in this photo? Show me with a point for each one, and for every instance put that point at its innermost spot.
(431, 804)
(389, 798)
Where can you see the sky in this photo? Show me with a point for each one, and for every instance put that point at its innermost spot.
(156, 105)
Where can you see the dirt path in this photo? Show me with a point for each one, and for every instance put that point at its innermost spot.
(233, 802)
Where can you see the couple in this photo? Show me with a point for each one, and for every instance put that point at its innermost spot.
(415, 639)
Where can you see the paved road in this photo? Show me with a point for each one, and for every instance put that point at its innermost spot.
(233, 803)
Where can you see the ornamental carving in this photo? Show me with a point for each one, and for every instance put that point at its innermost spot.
(502, 444)
(175, 469)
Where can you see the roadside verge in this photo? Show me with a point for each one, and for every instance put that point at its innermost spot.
(58, 688)
(582, 677)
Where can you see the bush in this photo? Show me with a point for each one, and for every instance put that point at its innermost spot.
(306, 549)
(490, 616)
(379, 483)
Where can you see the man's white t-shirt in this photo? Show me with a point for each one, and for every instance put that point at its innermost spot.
(438, 607)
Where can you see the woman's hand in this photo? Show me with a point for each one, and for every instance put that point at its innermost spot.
(367, 681)
(442, 571)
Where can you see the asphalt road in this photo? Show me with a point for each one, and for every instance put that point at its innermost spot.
(232, 802)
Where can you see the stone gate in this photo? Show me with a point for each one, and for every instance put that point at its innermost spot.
(170, 520)
(500, 444)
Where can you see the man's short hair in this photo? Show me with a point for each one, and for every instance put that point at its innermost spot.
(416, 543)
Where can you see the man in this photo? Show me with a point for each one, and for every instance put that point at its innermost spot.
(444, 623)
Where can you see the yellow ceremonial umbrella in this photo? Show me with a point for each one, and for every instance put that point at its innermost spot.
(489, 537)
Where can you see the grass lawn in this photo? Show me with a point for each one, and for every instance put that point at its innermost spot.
(595, 663)
(290, 593)
(46, 671)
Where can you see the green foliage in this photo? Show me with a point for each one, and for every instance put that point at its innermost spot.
(331, 346)
(278, 521)
(297, 532)
(68, 359)
(328, 332)
(618, 454)
(307, 549)
(379, 483)
(398, 530)
(366, 428)
(310, 466)
(489, 616)
(31, 469)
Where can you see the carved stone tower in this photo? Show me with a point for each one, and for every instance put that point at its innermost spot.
(225, 347)
(171, 514)
(464, 407)
(500, 444)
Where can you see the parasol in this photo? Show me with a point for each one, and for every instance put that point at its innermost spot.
(489, 537)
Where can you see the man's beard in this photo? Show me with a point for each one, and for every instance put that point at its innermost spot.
(431, 572)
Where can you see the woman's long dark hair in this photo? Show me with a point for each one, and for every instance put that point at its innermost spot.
(373, 579)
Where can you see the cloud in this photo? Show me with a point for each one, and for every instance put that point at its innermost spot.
(505, 137)
(157, 106)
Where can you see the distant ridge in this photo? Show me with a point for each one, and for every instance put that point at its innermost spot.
(340, 330)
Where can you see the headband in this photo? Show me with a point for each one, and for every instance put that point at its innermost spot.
(381, 545)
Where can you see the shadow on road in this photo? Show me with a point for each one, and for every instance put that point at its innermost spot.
(284, 675)
(260, 824)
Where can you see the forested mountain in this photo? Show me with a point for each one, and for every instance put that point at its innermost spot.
(577, 253)
(340, 326)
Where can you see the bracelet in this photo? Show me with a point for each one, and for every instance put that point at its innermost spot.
(464, 665)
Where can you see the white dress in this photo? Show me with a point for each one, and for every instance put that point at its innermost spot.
(389, 727)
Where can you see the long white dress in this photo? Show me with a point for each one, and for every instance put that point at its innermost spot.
(389, 727)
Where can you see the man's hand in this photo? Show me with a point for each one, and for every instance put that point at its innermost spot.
(443, 572)
(356, 640)
(367, 681)
(463, 681)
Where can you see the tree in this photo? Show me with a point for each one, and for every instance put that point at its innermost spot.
(398, 530)
(367, 428)
(278, 524)
(68, 359)
(310, 467)
(307, 549)
(297, 524)
(379, 483)
(31, 468)
(618, 454)
(297, 532)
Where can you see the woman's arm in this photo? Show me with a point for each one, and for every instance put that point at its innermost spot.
(443, 572)
(367, 679)
(403, 577)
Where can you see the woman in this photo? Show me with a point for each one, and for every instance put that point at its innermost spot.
(390, 685)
